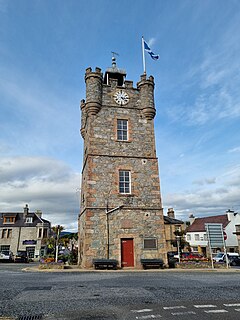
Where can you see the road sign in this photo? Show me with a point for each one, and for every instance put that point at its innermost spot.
(215, 234)
(224, 235)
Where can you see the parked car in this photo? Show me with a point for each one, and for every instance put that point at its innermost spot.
(221, 257)
(234, 261)
(21, 256)
(6, 256)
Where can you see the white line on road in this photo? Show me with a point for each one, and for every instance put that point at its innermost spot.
(182, 313)
(174, 307)
(237, 310)
(231, 304)
(142, 310)
(205, 306)
(150, 316)
(216, 311)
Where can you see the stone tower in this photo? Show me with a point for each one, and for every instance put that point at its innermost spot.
(121, 215)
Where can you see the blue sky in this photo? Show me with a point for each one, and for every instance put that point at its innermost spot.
(45, 47)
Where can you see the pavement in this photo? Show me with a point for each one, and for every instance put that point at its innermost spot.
(75, 268)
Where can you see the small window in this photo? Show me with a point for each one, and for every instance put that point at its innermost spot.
(150, 243)
(29, 219)
(9, 220)
(122, 130)
(197, 237)
(9, 233)
(40, 233)
(4, 233)
(45, 233)
(188, 237)
(5, 248)
(178, 228)
(124, 182)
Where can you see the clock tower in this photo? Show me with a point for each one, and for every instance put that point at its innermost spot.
(121, 215)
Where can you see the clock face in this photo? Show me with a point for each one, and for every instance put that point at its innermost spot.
(121, 97)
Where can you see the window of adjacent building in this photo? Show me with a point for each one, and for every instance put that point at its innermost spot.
(150, 243)
(9, 233)
(4, 233)
(45, 233)
(40, 233)
(124, 181)
(122, 130)
(8, 219)
(5, 248)
(178, 228)
(29, 219)
(197, 237)
(205, 237)
(188, 237)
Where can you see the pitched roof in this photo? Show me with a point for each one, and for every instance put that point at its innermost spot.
(168, 220)
(20, 219)
(199, 223)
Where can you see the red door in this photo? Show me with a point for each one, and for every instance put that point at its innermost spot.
(127, 253)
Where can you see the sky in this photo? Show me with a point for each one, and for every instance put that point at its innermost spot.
(45, 48)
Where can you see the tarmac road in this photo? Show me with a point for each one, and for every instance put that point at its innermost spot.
(162, 294)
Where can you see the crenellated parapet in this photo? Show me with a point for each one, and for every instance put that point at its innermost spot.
(146, 89)
(94, 82)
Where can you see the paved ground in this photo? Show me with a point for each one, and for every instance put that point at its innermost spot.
(118, 295)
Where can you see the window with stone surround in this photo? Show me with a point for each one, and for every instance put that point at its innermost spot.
(150, 243)
(122, 130)
(124, 181)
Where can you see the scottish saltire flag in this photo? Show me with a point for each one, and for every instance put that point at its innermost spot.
(153, 55)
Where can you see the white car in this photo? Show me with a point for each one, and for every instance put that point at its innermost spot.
(221, 257)
(6, 256)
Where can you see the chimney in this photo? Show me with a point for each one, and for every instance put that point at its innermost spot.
(39, 213)
(171, 213)
(26, 210)
(191, 218)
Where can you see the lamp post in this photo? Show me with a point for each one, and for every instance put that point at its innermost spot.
(57, 240)
(107, 220)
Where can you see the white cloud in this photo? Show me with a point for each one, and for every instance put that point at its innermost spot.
(236, 149)
(213, 196)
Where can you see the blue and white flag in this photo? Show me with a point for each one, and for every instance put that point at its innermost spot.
(153, 55)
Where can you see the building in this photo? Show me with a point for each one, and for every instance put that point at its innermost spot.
(121, 215)
(174, 231)
(197, 237)
(24, 231)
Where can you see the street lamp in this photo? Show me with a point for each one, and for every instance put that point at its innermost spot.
(107, 219)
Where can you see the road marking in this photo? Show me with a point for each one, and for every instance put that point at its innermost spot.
(175, 307)
(237, 310)
(205, 306)
(216, 311)
(182, 313)
(142, 310)
(231, 304)
(150, 316)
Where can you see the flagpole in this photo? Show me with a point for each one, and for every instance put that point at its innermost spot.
(143, 55)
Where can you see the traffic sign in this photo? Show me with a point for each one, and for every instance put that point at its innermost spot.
(224, 235)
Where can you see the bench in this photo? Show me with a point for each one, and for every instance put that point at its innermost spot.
(152, 263)
(105, 264)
